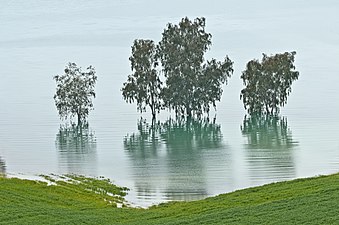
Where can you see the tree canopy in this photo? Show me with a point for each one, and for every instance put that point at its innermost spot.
(192, 85)
(74, 92)
(268, 83)
(143, 85)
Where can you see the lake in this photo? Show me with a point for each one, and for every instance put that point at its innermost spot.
(175, 160)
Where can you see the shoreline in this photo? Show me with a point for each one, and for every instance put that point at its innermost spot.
(94, 201)
(133, 204)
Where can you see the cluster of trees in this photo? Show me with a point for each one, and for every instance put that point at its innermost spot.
(192, 84)
(174, 74)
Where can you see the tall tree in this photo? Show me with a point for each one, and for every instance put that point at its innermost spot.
(191, 85)
(74, 92)
(143, 85)
(268, 83)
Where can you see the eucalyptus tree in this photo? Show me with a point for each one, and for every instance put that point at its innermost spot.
(268, 83)
(143, 85)
(2, 168)
(192, 84)
(74, 92)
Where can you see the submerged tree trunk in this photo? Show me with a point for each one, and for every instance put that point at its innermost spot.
(79, 118)
(189, 112)
(154, 114)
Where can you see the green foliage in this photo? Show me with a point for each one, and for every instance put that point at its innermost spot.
(209, 88)
(302, 201)
(74, 92)
(191, 86)
(101, 188)
(268, 83)
(144, 85)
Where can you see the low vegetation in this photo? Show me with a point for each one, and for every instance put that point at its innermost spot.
(82, 200)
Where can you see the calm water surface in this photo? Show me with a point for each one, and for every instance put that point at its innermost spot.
(173, 160)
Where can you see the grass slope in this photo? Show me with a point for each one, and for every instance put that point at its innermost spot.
(80, 200)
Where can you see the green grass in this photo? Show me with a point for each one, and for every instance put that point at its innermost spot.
(81, 200)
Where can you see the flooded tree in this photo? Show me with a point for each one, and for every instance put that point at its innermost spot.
(2, 167)
(143, 85)
(192, 85)
(74, 92)
(268, 83)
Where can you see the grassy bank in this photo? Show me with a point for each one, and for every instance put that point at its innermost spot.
(80, 200)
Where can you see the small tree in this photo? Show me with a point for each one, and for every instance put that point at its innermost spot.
(74, 92)
(143, 85)
(2, 168)
(268, 83)
(191, 85)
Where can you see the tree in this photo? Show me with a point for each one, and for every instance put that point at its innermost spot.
(74, 92)
(2, 168)
(143, 85)
(268, 83)
(191, 85)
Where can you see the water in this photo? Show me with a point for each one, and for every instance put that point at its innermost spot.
(176, 160)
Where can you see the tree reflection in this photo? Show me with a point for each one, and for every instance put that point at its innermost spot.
(269, 148)
(191, 134)
(146, 142)
(170, 157)
(76, 146)
(2, 168)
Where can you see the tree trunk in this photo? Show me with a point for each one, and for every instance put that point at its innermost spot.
(188, 112)
(153, 111)
(79, 119)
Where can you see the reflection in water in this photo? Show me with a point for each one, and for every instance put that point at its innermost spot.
(193, 134)
(269, 148)
(76, 146)
(171, 159)
(2, 167)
